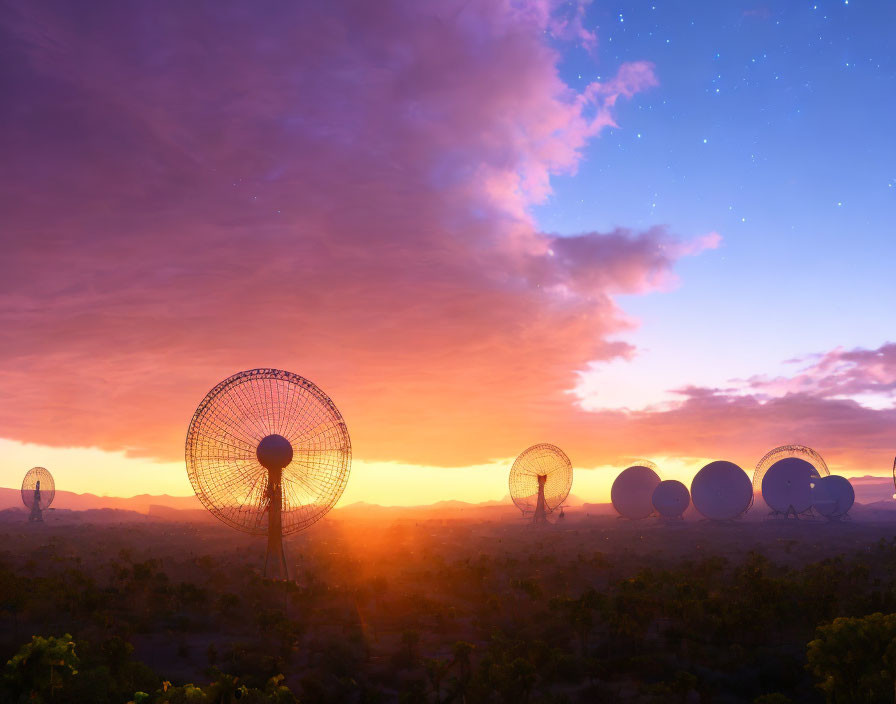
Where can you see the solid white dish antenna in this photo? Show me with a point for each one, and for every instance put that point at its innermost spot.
(721, 491)
(787, 486)
(833, 496)
(671, 498)
(632, 492)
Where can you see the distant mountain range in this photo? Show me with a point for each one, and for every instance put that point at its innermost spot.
(874, 493)
(148, 503)
(12, 498)
(870, 490)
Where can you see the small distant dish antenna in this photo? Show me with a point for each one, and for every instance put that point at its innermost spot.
(782, 452)
(894, 476)
(540, 480)
(632, 492)
(833, 496)
(787, 487)
(721, 491)
(38, 491)
(671, 499)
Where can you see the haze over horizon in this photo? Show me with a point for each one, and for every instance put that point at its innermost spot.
(629, 230)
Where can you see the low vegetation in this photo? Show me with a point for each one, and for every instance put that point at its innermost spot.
(444, 612)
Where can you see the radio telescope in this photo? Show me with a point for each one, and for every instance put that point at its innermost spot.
(721, 491)
(646, 463)
(268, 453)
(38, 490)
(787, 486)
(780, 453)
(540, 480)
(632, 492)
(671, 499)
(833, 496)
(894, 476)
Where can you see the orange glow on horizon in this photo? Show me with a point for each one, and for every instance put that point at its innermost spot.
(92, 471)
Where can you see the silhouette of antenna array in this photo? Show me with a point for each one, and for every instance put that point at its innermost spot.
(794, 481)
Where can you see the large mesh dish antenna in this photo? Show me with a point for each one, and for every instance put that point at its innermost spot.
(38, 491)
(783, 452)
(540, 480)
(268, 453)
(646, 463)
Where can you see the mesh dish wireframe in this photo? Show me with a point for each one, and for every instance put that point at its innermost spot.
(632, 492)
(47, 487)
(787, 485)
(226, 430)
(671, 498)
(833, 496)
(542, 459)
(782, 452)
(721, 491)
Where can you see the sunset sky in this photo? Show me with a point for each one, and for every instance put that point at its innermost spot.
(632, 230)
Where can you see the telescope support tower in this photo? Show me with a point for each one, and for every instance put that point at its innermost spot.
(540, 513)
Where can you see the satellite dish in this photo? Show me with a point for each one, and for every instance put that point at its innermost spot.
(788, 484)
(833, 496)
(632, 492)
(894, 476)
(38, 491)
(721, 491)
(671, 499)
(782, 452)
(268, 453)
(540, 480)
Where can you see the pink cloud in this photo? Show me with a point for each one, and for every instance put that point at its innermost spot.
(341, 190)
(743, 427)
(711, 240)
(564, 21)
(743, 422)
(761, 12)
(599, 265)
(838, 373)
